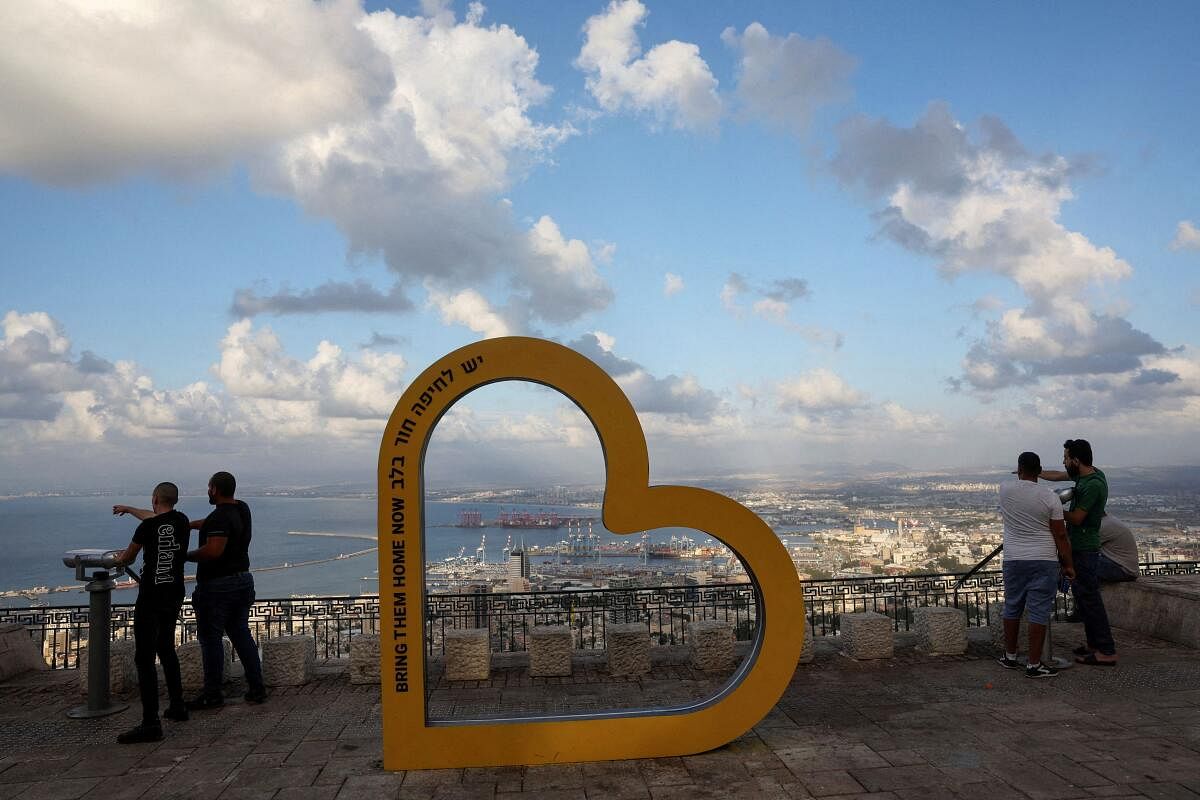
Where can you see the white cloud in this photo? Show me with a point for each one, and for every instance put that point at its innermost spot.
(604, 341)
(819, 391)
(471, 309)
(254, 365)
(48, 395)
(984, 204)
(774, 305)
(784, 80)
(94, 91)
(419, 181)
(671, 82)
(560, 276)
(1187, 236)
(670, 395)
(330, 296)
(772, 310)
(404, 131)
(672, 284)
(604, 252)
(732, 290)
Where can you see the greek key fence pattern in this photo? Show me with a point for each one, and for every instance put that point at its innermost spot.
(334, 621)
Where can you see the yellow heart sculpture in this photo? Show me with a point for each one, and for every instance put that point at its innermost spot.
(410, 739)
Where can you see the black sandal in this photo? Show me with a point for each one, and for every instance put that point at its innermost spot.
(1091, 661)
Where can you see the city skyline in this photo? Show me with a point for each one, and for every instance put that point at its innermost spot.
(927, 236)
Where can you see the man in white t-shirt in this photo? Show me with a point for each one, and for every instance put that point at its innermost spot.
(1036, 551)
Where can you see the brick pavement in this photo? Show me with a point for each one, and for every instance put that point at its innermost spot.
(913, 726)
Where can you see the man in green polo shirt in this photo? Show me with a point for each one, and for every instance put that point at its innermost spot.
(1083, 527)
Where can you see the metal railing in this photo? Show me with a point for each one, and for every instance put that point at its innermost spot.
(334, 621)
(665, 610)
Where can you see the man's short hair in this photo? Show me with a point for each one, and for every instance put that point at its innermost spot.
(167, 492)
(224, 483)
(1080, 449)
(1029, 463)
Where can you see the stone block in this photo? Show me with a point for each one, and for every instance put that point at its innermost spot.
(628, 646)
(996, 627)
(712, 644)
(550, 650)
(468, 654)
(867, 635)
(1163, 606)
(288, 660)
(941, 630)
(122, 672)
(364, 658)
(191, 665)
(18, 651)
(810, 649)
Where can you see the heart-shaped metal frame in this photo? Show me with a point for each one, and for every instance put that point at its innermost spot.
(631, 505)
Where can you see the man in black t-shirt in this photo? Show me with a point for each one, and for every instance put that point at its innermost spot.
(224, 593)
(163, 538)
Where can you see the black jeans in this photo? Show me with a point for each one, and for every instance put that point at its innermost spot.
(154, 619)
(1090, 604)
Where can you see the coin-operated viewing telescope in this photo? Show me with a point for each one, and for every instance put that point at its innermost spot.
(100, 569)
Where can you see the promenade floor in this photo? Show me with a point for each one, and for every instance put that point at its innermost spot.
(913, 726)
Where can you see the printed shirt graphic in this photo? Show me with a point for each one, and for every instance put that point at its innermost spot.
(164, 542)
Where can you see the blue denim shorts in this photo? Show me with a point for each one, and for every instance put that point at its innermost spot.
(1030, 586)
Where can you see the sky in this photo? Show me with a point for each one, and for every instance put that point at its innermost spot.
(796, 234)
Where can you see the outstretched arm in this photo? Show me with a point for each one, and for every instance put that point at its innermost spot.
(1054, 475)
(139, 513)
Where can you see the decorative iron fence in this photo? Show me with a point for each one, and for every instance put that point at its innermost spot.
(334, 621)
(665, 610)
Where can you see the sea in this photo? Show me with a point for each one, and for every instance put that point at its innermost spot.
(35, 532)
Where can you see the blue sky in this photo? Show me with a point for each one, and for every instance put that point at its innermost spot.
(929, 234)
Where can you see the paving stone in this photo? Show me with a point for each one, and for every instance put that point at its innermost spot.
(307, 793)
(1167, 791)
(129, 787)
(852, 756)
(431, 777)
(664, 772)
(247, 793)
(888, 778)
(1039, 783)
(336, 770)
(461, 791)
(59, 789)
(829, 782)
(1072, 771)
(277, 777)
(310, 752)
(553, 776)
(901, 758)
(1142, 769)
(873, 725)
(371, 787)
(169, 789)
(1110, 790)
(259, 761)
